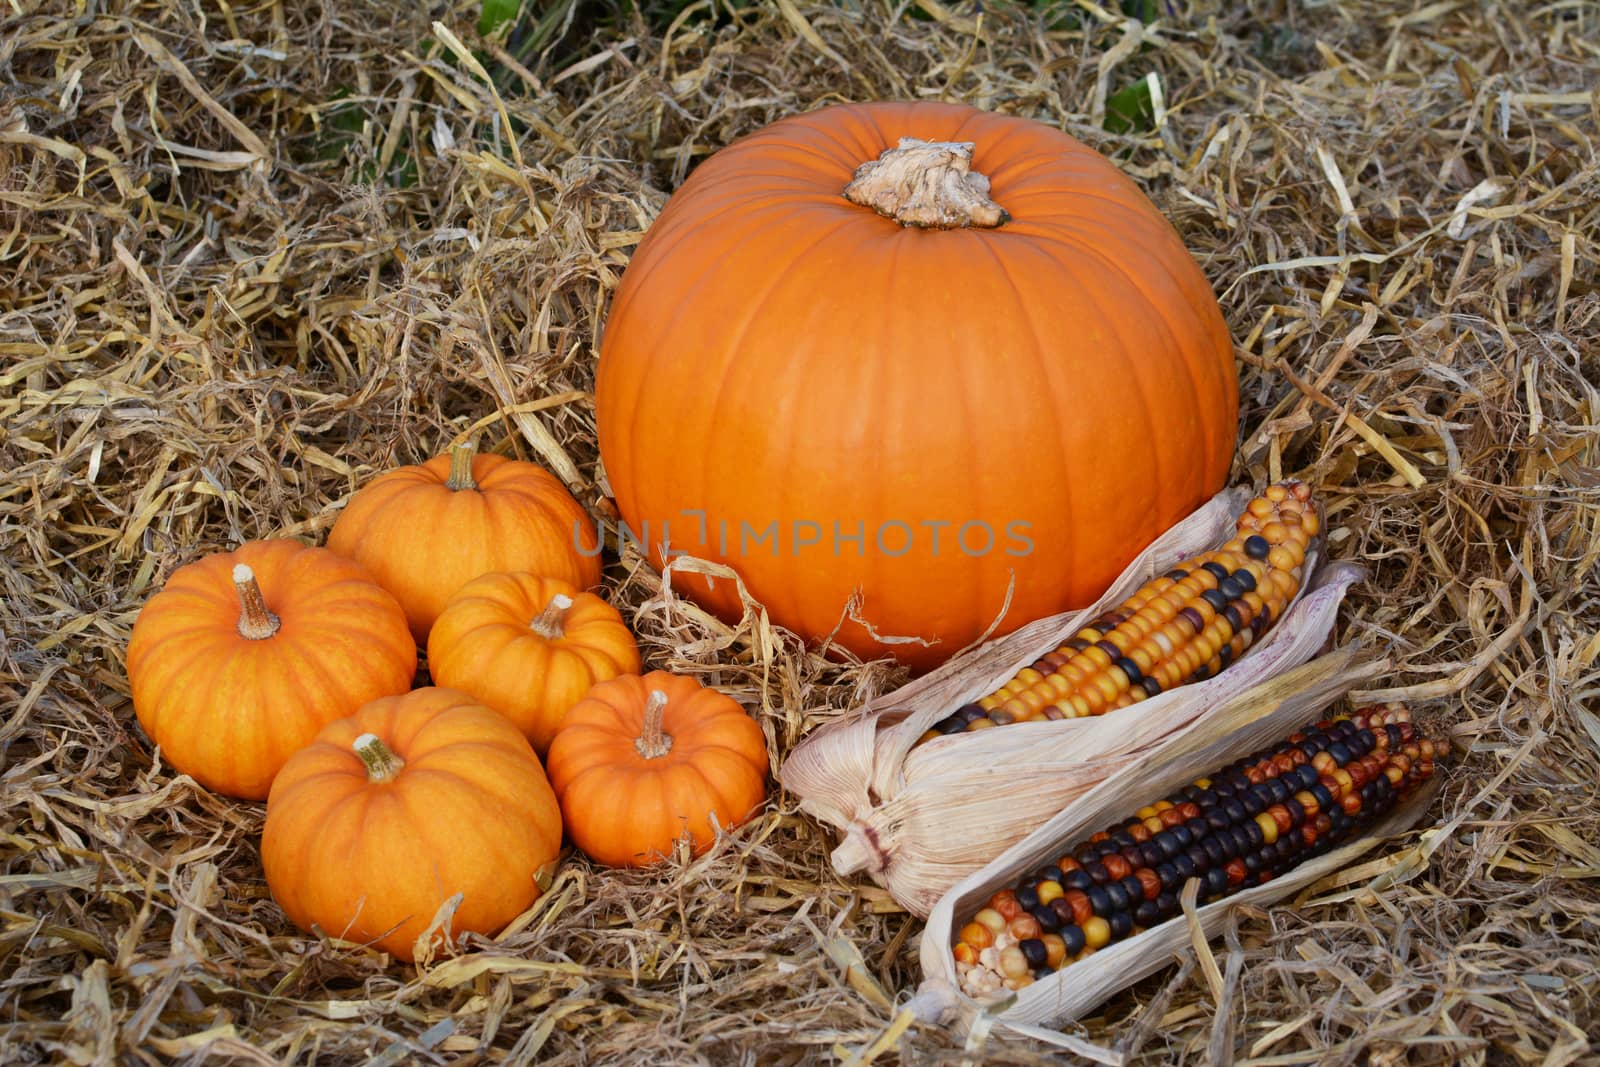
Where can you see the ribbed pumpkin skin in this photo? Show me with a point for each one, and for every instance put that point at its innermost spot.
(626, 811)
(775, 352)
(482, 644)
(227, 710)
(423, 541)
(470, 812)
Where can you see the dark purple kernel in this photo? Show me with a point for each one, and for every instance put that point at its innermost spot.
(1217, 821)
(1245, 580)
(1216, 881)
(1047, 919)
(1193, 618)
(1168, 875)
(1133, 887)
(1151, 687)
(1183, 834)
(1167, 904)
(1131, 669)
(1118, 897)
(1034, 952)
(1214, 851)
(1214, 598)
(1077, 644)
(1146, 914)
(1109, 649)
(1252, 831)
(1198, 857)
(1099, 901)
(1063, 911)
(972, 713)
(1224, 657)
(1073, 936)
(1296, 810)
(1177, 574)
(1216, 569)
(1256, 547)
(951, 725)
(1121, 924)
(1235, 620)
(1184, 865)
(1028, 898)
(1340, 752)
(1078, 880)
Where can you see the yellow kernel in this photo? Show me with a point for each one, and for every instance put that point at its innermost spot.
(1269, 828)
(988, 703)
(977, 935)
(1154, 824)
(1080, 706)
(1028, 675)
(1144, 812)
(981, 724)
(1162, 805)
(1049, 891)
(1096, 932)
(990, 918)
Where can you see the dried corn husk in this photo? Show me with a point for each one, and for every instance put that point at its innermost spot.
(918, 820)
(1247, 723)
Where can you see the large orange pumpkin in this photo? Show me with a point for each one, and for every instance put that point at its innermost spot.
(243, 656)
(424, 531)
(528, 647)
(642, 762)
(399, 807)
(920, 409)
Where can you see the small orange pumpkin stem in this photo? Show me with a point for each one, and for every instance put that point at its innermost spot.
(255, 621)
(461, 466)
(381, 762)
(927, 184)
(652, 742)
(550, 623)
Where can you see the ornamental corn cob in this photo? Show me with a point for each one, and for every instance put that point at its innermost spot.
(1185, 626)
(1243, 826)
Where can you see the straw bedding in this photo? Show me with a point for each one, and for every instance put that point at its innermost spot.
(251, 254)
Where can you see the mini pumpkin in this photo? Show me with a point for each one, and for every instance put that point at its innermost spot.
(529, 647)
(424, 531)
(243, 656)
(396, 809)
(640, 762)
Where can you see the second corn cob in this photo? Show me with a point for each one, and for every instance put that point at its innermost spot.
(1243, 826)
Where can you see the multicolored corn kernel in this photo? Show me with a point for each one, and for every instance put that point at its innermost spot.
(1185, 626)
(1241, 826)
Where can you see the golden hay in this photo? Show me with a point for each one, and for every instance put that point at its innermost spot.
(252, 254)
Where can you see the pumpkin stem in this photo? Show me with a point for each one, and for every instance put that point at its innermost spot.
(652, 743)
(461, 466)
(549, 624)
(928, 184)
(381, 762)
(255, 621)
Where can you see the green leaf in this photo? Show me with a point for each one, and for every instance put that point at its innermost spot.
(497, 13)
(1130, 109)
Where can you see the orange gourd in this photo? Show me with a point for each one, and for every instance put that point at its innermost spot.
(528, 647)
(243, 656)
(1021, 377)
(424, 531)
(394, 810)
(641, 762)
